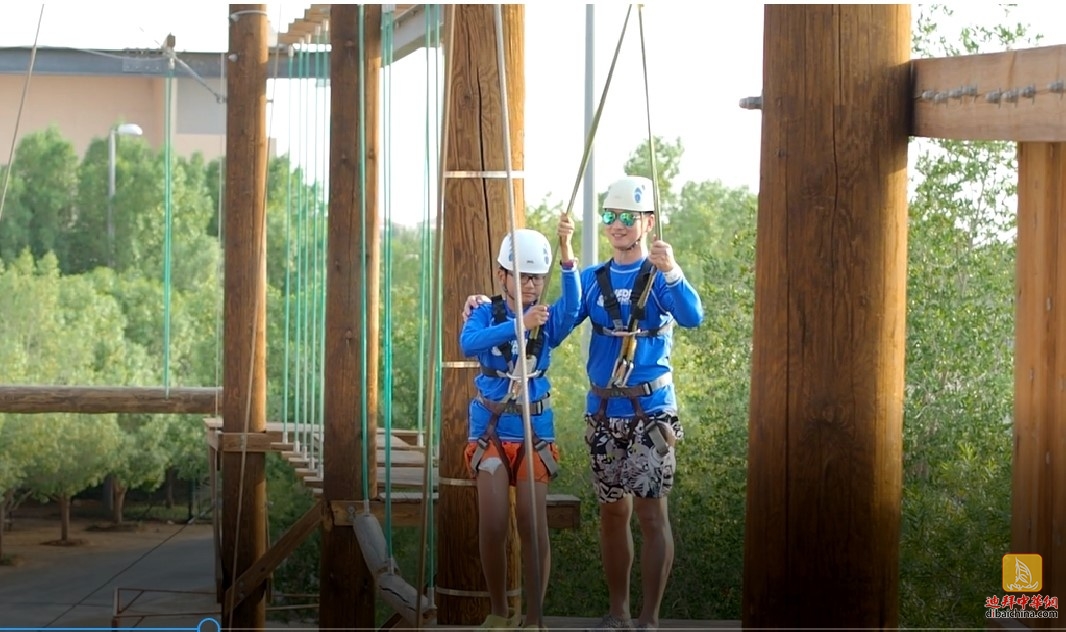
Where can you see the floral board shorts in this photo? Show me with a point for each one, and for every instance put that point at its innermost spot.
(624, 460)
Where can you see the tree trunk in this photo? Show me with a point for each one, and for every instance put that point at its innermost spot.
(64, 517)
(118, 500)
(3, 521)
(169, 501)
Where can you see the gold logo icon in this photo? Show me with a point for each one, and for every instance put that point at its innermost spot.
(1022, 572)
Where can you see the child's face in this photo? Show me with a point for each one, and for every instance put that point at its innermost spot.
(530, 285)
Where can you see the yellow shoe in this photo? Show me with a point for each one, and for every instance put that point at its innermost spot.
(496, 622)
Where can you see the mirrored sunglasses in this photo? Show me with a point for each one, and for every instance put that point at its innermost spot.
(628, 218)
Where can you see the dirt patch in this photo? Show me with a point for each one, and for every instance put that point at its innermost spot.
(67, 542)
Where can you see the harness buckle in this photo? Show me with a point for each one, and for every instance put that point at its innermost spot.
(623, 368)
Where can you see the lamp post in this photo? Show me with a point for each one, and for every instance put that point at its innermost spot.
(126, 129)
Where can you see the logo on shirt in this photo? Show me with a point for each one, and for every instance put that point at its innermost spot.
(622, 294)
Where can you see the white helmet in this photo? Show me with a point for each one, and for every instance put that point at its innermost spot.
(533, 249)
(632, 193)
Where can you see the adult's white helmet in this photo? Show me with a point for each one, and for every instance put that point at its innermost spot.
(632, 193)
(534, 251)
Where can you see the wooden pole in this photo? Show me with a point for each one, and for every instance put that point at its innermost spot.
(476, 219)
(1038, 522)
(825, 440)
(30, 399)
(347, 587)
(244, 379)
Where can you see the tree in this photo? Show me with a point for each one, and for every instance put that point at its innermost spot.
(40, 204)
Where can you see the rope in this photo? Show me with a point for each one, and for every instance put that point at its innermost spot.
(651, 138)
(435, 313)
(288, 269)
(590, 140)
(168, 219)
(386, 41)
(534, 592)
(18, 116)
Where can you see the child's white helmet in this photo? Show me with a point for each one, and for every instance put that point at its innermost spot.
(533, 249)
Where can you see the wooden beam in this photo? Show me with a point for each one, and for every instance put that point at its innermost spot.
(244, 475)
(33, 399)
(1038, 513)
(252, 578)
(952, 96)
(826, 411)
(478, 220)
(346, 586)
(564, 510)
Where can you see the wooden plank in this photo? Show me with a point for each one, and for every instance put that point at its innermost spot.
(238, 442)
(43, 399)
(824, 467)
(952, 96)
(583, 623)
(564, 510)
(1038, 508)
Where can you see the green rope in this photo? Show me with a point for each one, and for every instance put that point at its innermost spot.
(363, 413)
(436, 15)
(301, 277)
(323, 207)
(386, 37)
(288, 270)
(317, 262)
(167, 221)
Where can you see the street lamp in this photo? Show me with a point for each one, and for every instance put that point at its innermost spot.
(125, 129)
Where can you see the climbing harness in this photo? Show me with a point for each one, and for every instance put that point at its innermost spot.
(660, 434)
(623, 365)
(510, 405)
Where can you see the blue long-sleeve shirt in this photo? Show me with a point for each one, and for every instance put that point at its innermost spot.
(481, 338)
(677, 302)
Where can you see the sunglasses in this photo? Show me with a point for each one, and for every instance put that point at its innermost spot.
(628, 218)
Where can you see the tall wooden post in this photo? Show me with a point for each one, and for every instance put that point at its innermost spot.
(1038, 522)
(351, 376)
(244, 379)
(475, 220)
(825, 442)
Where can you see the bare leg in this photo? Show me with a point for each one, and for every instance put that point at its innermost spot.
(656, 555)
(534, 607)
(616, 549)
(494, 505)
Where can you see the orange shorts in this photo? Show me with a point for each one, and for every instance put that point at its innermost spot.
(511, 448)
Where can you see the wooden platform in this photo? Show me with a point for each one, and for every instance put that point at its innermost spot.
(404, 477)
(581, 623)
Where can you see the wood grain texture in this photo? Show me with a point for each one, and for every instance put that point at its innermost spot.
(825, 443)
(1042, 118)
(244, 375)
(346, 589)
(1038, 490)
(35, 399)
(475, 220)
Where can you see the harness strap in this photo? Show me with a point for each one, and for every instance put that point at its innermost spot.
(490, 436)
(533, 345)
(631, 392)
(640, 333)
(542, 447)
(513, 407)
(610, 301)
(498, 373)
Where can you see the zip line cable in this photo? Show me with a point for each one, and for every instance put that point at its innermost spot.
(18, 116)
